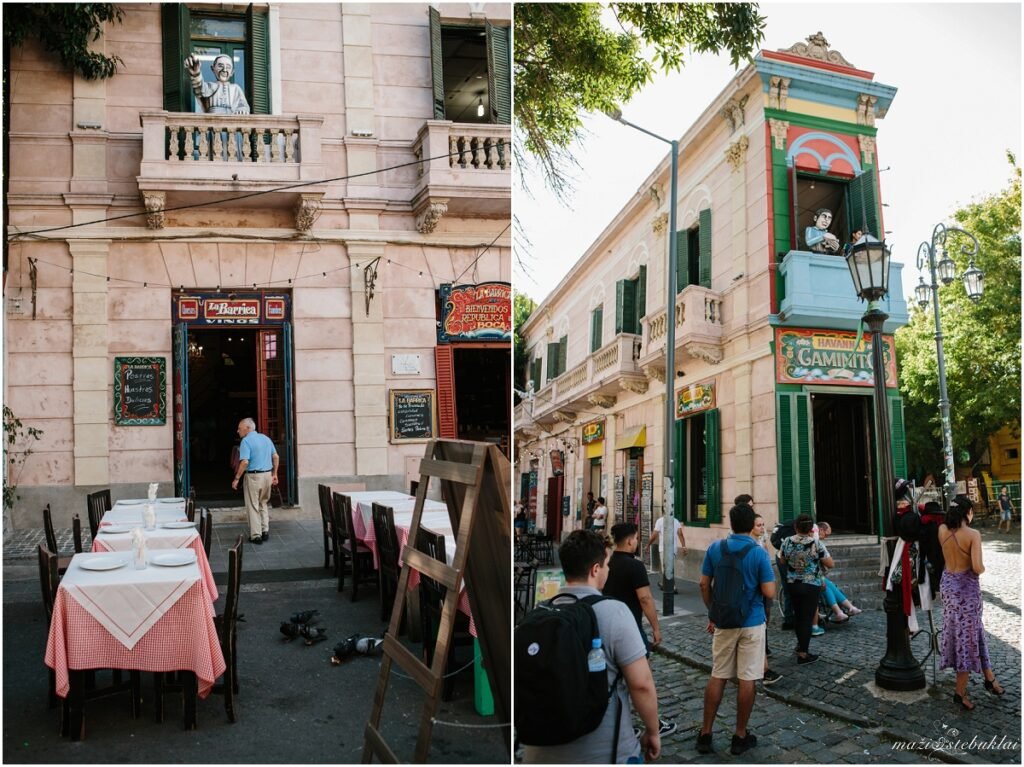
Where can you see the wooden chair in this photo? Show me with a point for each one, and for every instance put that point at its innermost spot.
(190, 508)
(63, 560)
(227, 629)
(387, 554)
(327, 522)
(97, 504)
(432, 596)
(358, 555)
(48, 581)
(206, 529)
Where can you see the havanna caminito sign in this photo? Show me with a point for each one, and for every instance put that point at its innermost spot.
(475, 312)
(695, 398)
(829, 357)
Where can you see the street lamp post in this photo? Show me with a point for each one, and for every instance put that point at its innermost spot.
(868, 260)
(668, 502)
(974, 283)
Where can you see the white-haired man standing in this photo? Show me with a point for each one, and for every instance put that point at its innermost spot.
(258, 461)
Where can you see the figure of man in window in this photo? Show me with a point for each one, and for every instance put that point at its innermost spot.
(222, 97)
(818, 238)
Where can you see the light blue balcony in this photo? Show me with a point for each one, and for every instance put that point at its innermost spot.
(817, 292)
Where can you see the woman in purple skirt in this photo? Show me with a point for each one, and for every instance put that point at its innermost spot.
(964, 648)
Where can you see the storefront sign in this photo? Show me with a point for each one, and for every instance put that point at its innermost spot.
(593, 432)
(475, 312)
(531, 501)
(646, 508)
(828, 357)
(413, 414)
(557, 462)
(140, 391)
(620, 496)
(695, 398)
(230, 309)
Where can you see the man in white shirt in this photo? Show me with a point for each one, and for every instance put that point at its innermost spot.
(677, 534)
(600, 516)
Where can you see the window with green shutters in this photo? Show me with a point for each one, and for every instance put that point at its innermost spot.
(862, 203)
(596, 326)
(693, 253)
(793, 444)
(631, 303)
(535, 370)
(242, 36)
(899, 436)
(702, 432)
(470, 71)
(563, 352)
(557, 357)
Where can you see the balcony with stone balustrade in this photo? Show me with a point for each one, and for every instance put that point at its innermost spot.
(465, 172)
(698, 318)
(263, 160)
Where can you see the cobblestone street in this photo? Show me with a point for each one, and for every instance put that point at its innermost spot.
(831, 711)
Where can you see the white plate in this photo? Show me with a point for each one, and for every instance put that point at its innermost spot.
(138, 502)
(173, 558)
(113, 529)
(170, 500)
(103, 563)
(182, 525)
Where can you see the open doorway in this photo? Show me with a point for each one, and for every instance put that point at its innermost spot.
(482, 394)
(843, 467)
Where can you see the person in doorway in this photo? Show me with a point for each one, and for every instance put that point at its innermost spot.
(805, 559)
(588, 523)
(761, 536)
(584, 557)
(628, 582)
(736, 652)
(1005, 509)
(222, 97)
(258, 461)
(600, 516)
(856, 235)
(818, 238)
(676, 535)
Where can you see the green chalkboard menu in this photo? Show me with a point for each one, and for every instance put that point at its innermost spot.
(413, 414)
(140, 391)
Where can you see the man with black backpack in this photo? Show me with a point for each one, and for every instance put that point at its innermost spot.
(735, 577)
(579, 661)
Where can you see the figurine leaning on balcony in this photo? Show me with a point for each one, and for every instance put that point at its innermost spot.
(818, 237)
(222, 97)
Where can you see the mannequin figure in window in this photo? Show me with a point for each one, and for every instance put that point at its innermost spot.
(818, 238)
(222, 97)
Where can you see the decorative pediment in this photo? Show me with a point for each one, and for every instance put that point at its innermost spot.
(732, 112)
(307, 211)
(426, 221)
(816, 48)
(710, 353)
(635, 385)
(602, 400)
(655, 373)
(155, 203)
(736, 152)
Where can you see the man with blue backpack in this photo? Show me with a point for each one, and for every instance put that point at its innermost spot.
(736, 576)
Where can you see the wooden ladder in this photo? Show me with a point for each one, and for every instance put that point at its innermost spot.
(475, 481)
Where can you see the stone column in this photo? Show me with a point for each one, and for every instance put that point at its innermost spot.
(368, 365)
(360, 124)
(743, 427)
(92, 378)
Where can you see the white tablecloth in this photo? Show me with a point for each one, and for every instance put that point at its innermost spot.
(131, 514)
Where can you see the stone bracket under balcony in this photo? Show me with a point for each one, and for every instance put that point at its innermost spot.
(268, 161)
(698, 316)
(465, 172)
(816, 291)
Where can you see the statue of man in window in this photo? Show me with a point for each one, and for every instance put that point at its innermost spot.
(222, 97)
(818, 238)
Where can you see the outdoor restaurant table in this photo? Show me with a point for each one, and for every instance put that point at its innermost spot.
(155, 619)
(130, 512)
(159, 539)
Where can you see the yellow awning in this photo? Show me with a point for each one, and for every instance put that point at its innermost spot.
(595, 449)
(635, 437)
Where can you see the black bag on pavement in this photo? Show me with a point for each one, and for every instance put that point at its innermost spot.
(557, 697)
(729, 605)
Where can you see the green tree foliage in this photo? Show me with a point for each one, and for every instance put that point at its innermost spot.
(522, 308)
(18, 440)
(981, 342)
(66, 29)
(568, 62)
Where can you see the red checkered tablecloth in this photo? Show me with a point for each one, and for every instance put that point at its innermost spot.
(124, 543)
(184, 639)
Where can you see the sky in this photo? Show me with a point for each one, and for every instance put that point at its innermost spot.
(957, 110)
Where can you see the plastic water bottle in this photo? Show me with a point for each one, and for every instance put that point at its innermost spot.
(595, 658)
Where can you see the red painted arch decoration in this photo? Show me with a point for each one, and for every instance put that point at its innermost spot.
(815, 151)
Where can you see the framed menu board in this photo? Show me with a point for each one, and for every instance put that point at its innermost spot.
(140, 391)
(413, 414)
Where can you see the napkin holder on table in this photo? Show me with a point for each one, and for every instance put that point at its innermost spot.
(138, 549)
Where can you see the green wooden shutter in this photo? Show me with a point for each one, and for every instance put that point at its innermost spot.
(257, 63)
(796, 232)
(793, 433)
(679, 467)
(712, 463)
(175, 24)
(682, 260)
(899, 437)
(552, 362)
(620, 292)
(641, 297)
(563, 351)
(596, 323)
(535, 368)
(862, 202)
(436, 63)
(499, 75)
(705, 247)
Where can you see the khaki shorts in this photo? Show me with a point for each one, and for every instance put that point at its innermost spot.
(738, 653)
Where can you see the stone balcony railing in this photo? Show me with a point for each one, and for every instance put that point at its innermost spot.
(197, 157)
(465, 171)
(698, 318)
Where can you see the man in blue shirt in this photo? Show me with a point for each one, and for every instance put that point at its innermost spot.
(737, 652)
(258, 462)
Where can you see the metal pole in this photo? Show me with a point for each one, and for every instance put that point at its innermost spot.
(947, 429)
(668, 544)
